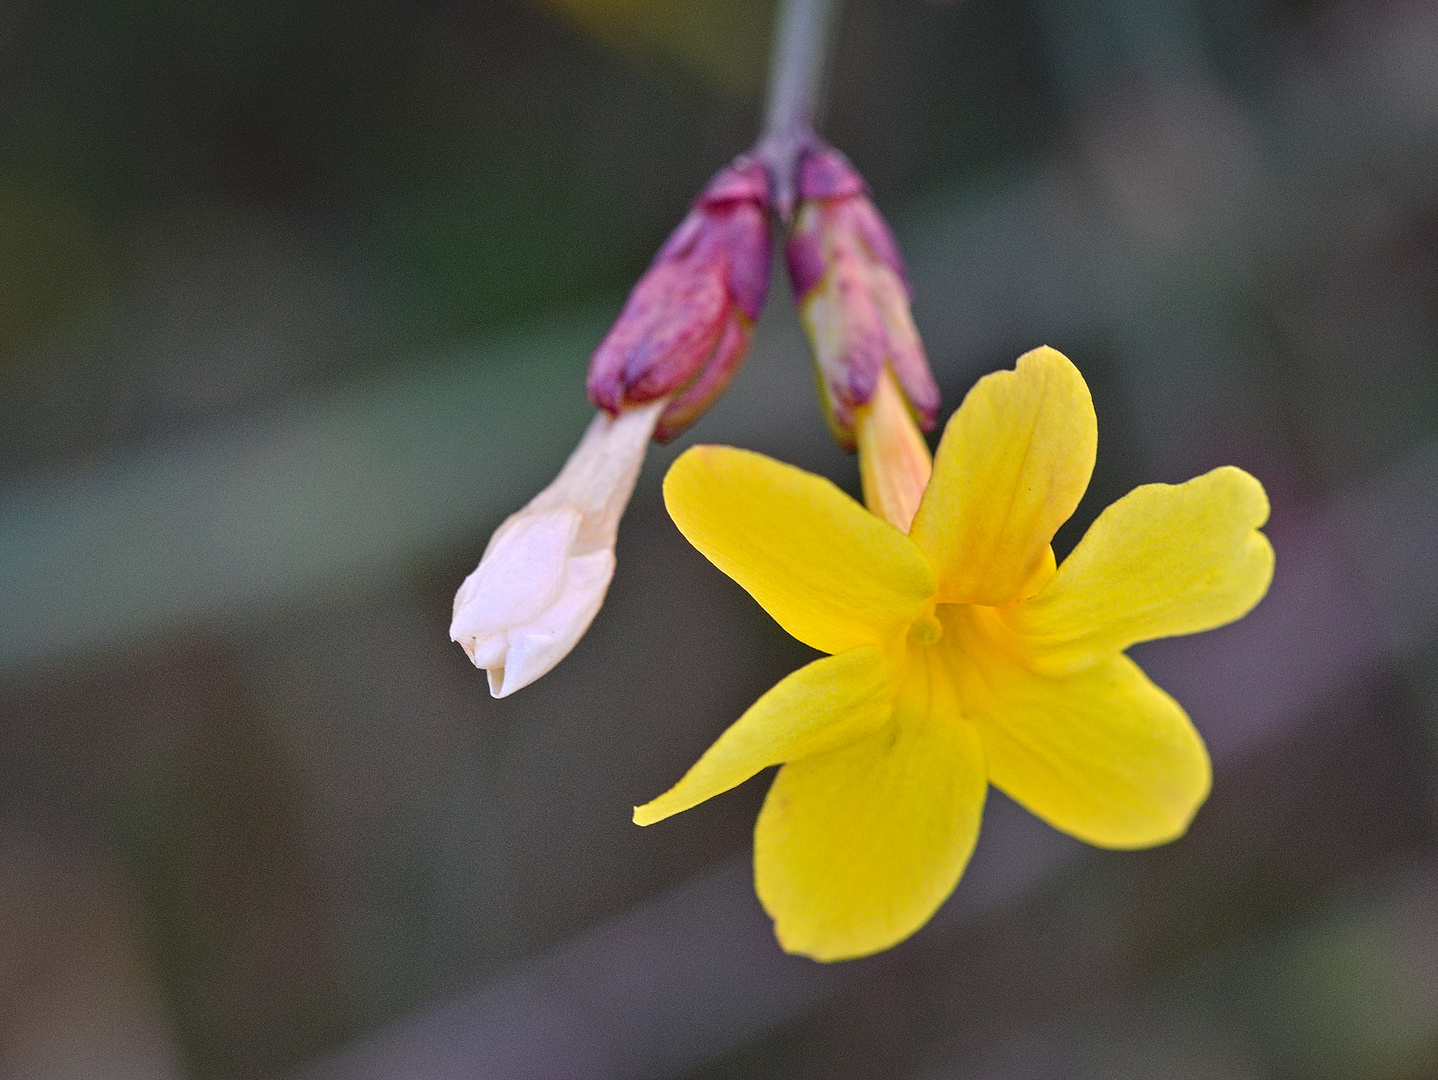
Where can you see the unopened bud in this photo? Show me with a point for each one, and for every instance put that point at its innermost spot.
(853, 295)
(687, 323)
(544, 574)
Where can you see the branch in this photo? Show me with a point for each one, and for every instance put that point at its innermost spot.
(803, 40)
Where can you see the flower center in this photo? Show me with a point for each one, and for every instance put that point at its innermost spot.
(926, 629)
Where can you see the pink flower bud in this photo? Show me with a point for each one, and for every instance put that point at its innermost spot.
(853, 295)
(687, 323)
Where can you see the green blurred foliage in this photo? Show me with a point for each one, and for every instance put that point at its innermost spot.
(55, 258)
(724, 41)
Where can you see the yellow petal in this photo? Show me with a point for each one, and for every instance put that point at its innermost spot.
(828, 703)
(831, 573)
(1163, 560)
(855, 849)
(1013, 463)
(1104, 754)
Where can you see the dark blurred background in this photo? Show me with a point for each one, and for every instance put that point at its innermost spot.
(295, 303)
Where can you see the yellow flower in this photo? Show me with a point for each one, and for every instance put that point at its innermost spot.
(960, 656)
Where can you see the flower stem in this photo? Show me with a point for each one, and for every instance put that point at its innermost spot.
(803, 40)
(802, 36)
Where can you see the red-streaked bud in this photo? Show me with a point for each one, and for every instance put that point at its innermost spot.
(687, 323)
(853, 295)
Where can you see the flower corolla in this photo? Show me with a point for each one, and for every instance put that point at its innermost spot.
(546, 569)
(960, 654)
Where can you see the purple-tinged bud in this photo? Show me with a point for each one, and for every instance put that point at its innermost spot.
(853, 295)
(687, 323)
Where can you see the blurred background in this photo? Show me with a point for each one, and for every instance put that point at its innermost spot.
(295, 302)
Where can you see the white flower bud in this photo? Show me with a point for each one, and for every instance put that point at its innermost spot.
(544, 574)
